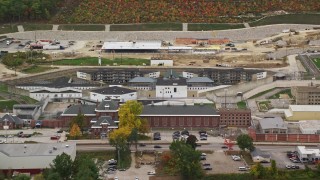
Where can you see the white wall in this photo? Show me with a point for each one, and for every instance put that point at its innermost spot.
(187, 75)
(261, 75)
(169, 91)
(198, 88)
(154, 74)
(121, 97)
(81, 75)
(39, 96)
(161, 62)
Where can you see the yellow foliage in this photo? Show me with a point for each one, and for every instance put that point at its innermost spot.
(75, 131)
(129, 114)
(120, 134)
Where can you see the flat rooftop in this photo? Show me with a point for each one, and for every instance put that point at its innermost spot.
(307, 108)
(48, 149)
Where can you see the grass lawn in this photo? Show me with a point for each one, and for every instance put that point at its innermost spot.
(242, 105)
(33, 27)
(148, 27)
(93, 61)
(28, 100)
(262, 93)
(7, 104)
(209, 27)
(142, 137)
(37, 69)
(277, 95)
(101, 155)
(289, 19)
(2, 98)
(316, 61)
(77, 27)
(7, 28)
(3, 87)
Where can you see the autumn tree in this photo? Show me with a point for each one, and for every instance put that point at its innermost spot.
(144, 126)
(79, 120)
(62, 166)
(119, 139)
(75, 131)
(129, 114)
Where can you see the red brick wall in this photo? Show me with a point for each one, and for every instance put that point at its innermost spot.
(301, 138)
(235, 117)
(173, 121)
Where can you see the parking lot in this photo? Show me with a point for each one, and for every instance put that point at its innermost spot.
(222, 163)
(282, 160)
(44, 136)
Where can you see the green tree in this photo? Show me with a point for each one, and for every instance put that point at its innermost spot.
(79, 120)
(274, 169)
(134, 137)
(85, 169)
(186, 160)
(39, 177)
(62, 165)
(244, 141)
(129, 114)
(22, 177)
(54, 176)
(192, 141)
(119, 139)
(258, 171)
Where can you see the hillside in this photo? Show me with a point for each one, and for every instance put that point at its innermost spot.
(209, 11)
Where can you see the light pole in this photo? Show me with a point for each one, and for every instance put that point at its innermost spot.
(6, 127)
(225, 98)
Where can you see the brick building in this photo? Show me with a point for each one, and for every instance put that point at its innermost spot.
(306, 95)
(180, 116)
(235, 117)
(189, 41)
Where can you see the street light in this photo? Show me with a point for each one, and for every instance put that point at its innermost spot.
(6, 127)
(225, 98)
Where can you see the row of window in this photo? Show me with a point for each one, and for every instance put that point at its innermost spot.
(181, 122)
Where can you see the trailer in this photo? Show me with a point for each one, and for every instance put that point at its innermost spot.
(51, 47)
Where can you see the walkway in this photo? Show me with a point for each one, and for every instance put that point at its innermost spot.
(184, 26)
(55, 27)
(107, 28)
(246, 25)
(20, 28)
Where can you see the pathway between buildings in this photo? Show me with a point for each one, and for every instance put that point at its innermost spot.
(20, 28)
(107, 28)
(246, 25)
(55, 27)
(184, 26)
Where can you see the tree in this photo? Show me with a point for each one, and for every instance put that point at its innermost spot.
(244, 141)
(186, 160)
(22, 177)
(129, 114)
(134, 137)
(79, 120)
(39, 177)
(54, 176)
(192, 141)
(85, 169)
(274, 169)
(144, 126)
(258, 171)
(62, 165)
(75, 131)
(119, 139)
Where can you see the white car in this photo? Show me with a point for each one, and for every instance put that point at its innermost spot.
(112, 161)
(236, 158)
(203, 154)
(116, 178)
(151, 173)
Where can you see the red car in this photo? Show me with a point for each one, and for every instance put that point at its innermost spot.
(55, 137)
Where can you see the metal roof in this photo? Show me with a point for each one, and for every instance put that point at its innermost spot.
(60, 83)
(82, 108)
(103, 120)
(142, 80)
(171, 82)
(113, 90)
(301, 108)
(40, 149)
(272, 123)
(199, 80)
(184, 110)
(133, 45)
(11, 119)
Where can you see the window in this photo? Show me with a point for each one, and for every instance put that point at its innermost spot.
(156, 121)
(181, 121)
(189, 121)
(164, 121)
(206, 121)
(175, 90)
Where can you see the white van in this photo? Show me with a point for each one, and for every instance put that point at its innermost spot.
(243, 168)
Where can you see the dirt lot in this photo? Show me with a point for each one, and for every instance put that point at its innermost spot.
(219, 161)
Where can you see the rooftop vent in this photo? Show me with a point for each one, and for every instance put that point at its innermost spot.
(54, 148)
(50, 151)
(25, 146)
(67, 145)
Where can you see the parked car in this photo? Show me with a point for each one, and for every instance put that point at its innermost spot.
(151, 173)
(207, 168)
(203, 138)
(288, 166)
(112, 161)
(142, 145)
(185, 132)
(203, 158)
(224, 147)
(206, 164)
(157, 146)
(55, 137)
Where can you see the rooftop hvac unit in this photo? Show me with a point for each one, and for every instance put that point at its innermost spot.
(50, 151)
(55, 148)
(67, 146)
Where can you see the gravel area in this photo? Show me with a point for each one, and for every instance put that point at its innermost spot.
(235, 35)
